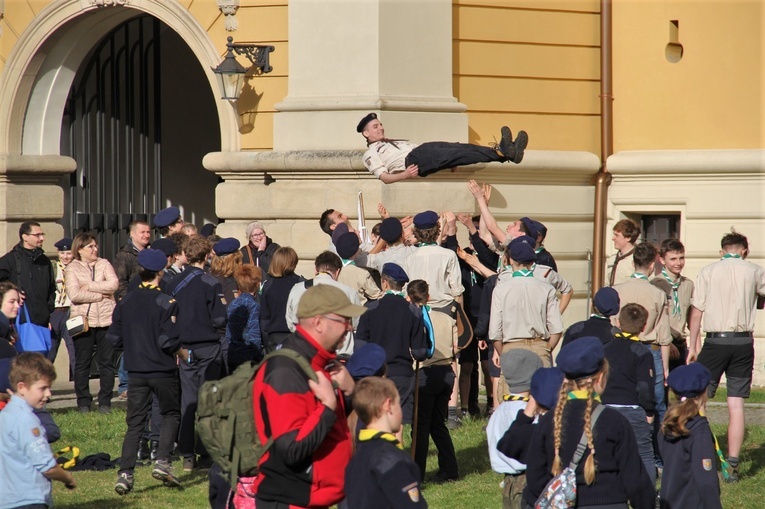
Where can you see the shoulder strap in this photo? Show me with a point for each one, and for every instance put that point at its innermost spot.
(582, 446)
(301, 361)
(249, 252)
(186, 280)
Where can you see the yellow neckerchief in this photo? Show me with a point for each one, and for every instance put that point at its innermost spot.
(583, 394)
(626, 335)
(366, 435)
(148, 286)
(514, 397)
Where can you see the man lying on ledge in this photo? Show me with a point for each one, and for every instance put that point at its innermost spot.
(394, 160)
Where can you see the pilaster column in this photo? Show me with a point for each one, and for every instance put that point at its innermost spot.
(349, 58)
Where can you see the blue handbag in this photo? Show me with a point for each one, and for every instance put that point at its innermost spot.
(32, 337)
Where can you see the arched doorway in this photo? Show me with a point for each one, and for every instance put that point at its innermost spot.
(139, 118)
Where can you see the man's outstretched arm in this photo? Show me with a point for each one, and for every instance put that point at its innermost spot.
(389, 178)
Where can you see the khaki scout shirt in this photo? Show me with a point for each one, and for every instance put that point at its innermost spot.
(548, 275)
(523, 308)
(360, 280)
(624, 269)
(398, 254)
(726, 291)
(440, 268)
(641, 291)
(387, 157)
(677, 321)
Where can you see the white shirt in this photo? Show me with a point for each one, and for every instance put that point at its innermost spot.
(321, 279)
(387, 157)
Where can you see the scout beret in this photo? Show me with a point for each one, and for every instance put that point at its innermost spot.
(207, 230)
(64, 244)
(581, 358)
(607, 301)
(425, 220)
(517, 366)
(226, 246)
(323, 299)
(541, 229)
(368, 360)
(165, 245)
(689, 381)
(395, 272)
(152, 259)
(166, 217)
(364, 121)
(530, 228)
(340, 230)
(347, 245)
(521, 251)
(391, 230)
(545, 386)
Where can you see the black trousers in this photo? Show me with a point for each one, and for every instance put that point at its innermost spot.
(205, 363)
(93, 344)
(440, 155)
(140, 394)
(435, 388)
(58, 332)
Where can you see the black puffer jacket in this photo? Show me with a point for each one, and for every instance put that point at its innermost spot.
(32, 272)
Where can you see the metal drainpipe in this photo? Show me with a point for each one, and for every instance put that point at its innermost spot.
(602, 179)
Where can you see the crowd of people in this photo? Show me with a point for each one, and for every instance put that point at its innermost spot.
(398, 331)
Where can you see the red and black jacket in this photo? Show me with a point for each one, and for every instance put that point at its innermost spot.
(305, 465)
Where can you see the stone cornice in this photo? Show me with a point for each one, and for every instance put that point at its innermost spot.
(16, 164)
(538, 167)
(683, 163)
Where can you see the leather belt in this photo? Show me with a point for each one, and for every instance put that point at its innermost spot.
(651, 345)
(729, 335)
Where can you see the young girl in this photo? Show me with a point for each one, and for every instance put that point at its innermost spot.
(610, 473)
(687, 444)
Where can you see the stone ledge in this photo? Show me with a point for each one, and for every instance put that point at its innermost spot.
(538, 166)
(17, 164)
(685, 162)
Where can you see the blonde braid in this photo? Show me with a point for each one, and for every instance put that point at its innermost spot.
(557, 465)
(589, 464)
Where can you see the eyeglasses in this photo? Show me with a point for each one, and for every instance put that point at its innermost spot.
(38, 235)
(91, 246)
(344, 321)
(261, 234)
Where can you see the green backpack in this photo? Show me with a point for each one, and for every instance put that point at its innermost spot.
(225, 419)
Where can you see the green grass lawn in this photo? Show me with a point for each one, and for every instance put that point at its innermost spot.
(757, 395)
(478, 488)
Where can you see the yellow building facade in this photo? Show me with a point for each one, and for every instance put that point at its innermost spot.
(91, 138)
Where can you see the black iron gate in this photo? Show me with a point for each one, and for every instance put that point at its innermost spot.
(111, 127)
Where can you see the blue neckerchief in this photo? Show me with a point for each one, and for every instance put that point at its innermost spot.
(431, 338)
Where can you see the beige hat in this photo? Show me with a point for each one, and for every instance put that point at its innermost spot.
(323, 299)
(255, 225)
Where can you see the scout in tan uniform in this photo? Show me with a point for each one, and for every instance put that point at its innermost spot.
(436, 265)
(392, 232)
(524, 310)
(656, 335)
(626, 233)
(679, 290)
(724, 304)
(359, 279)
